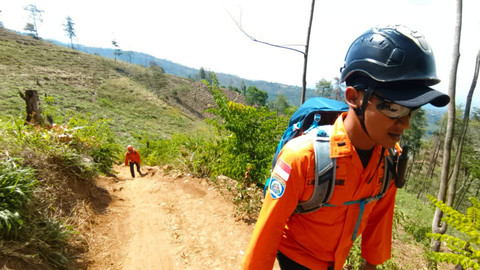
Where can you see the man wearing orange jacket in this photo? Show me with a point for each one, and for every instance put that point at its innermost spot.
(132, 157)
(388, 72)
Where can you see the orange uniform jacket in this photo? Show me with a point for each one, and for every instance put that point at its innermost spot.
(317, 239)
(134, 156)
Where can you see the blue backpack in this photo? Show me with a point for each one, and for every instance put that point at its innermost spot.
(317, 115)
(314, 112)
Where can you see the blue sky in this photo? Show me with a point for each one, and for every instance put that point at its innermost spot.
(205, 34)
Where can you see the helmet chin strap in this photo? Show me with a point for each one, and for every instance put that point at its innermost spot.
(360, 111)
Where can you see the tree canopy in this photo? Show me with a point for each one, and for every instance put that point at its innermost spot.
(256, 96)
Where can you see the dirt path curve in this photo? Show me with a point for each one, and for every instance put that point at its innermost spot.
(166, 221)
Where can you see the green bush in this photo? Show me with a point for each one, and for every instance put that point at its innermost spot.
(465, 251)
(250, 136)
(32, 212)
(16, 187)
(95, 139)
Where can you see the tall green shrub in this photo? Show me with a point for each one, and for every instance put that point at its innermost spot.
(191, 153)
(95, 139)
(251, 136)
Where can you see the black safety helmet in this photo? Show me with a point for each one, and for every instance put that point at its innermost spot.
(391, 54)
(396, 62)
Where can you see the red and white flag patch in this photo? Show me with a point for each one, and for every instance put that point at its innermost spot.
(282, 169)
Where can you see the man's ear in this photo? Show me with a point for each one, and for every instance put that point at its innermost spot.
(353, 97)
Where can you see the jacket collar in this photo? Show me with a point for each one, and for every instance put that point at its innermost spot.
(340, 143)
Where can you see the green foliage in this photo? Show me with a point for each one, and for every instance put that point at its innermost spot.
(417, 216)
(95, 139)
(465, 252)
(355, 260)
(251, 137)
(84, 146)
(28, 210)
(204, 75)
(256, 97)
(16, 188)
(324, 88)
(30, 28)
(50, 110)
(413, 136)
(180, 150)
(280, 105)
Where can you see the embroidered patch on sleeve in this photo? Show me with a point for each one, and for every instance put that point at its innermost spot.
(282, 169)
(276, 187)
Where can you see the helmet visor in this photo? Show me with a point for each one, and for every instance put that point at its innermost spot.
(412, 95)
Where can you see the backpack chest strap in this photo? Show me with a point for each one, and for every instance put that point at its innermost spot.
(362, 203)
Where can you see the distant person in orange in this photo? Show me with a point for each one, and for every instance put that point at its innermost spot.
(132, 157)
(388, 72)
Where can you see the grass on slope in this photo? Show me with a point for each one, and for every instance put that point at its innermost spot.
(86, 84)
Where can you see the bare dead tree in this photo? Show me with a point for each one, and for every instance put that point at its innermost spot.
(305, 52)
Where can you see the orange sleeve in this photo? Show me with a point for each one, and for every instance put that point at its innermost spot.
(276, 211)
(126, 158)
(377, 236)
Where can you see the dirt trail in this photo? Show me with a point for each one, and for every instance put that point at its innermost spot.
(166, 221)
(170, 221)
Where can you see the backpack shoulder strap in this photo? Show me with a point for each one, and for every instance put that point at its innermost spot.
(325, 168)
(388, 170)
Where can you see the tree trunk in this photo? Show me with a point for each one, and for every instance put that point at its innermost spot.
(466, 187)
(34, 113)
(411, 165)
(436, 151)
(305, 56)
(466, 118)
(437, 225)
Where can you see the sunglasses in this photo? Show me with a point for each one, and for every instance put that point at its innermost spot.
(393, 110)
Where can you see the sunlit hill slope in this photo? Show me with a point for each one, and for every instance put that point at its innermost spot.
(138, 100)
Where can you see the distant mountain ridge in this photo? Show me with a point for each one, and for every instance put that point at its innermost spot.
(292, 93)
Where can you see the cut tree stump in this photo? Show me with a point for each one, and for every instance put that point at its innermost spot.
(34, 113)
